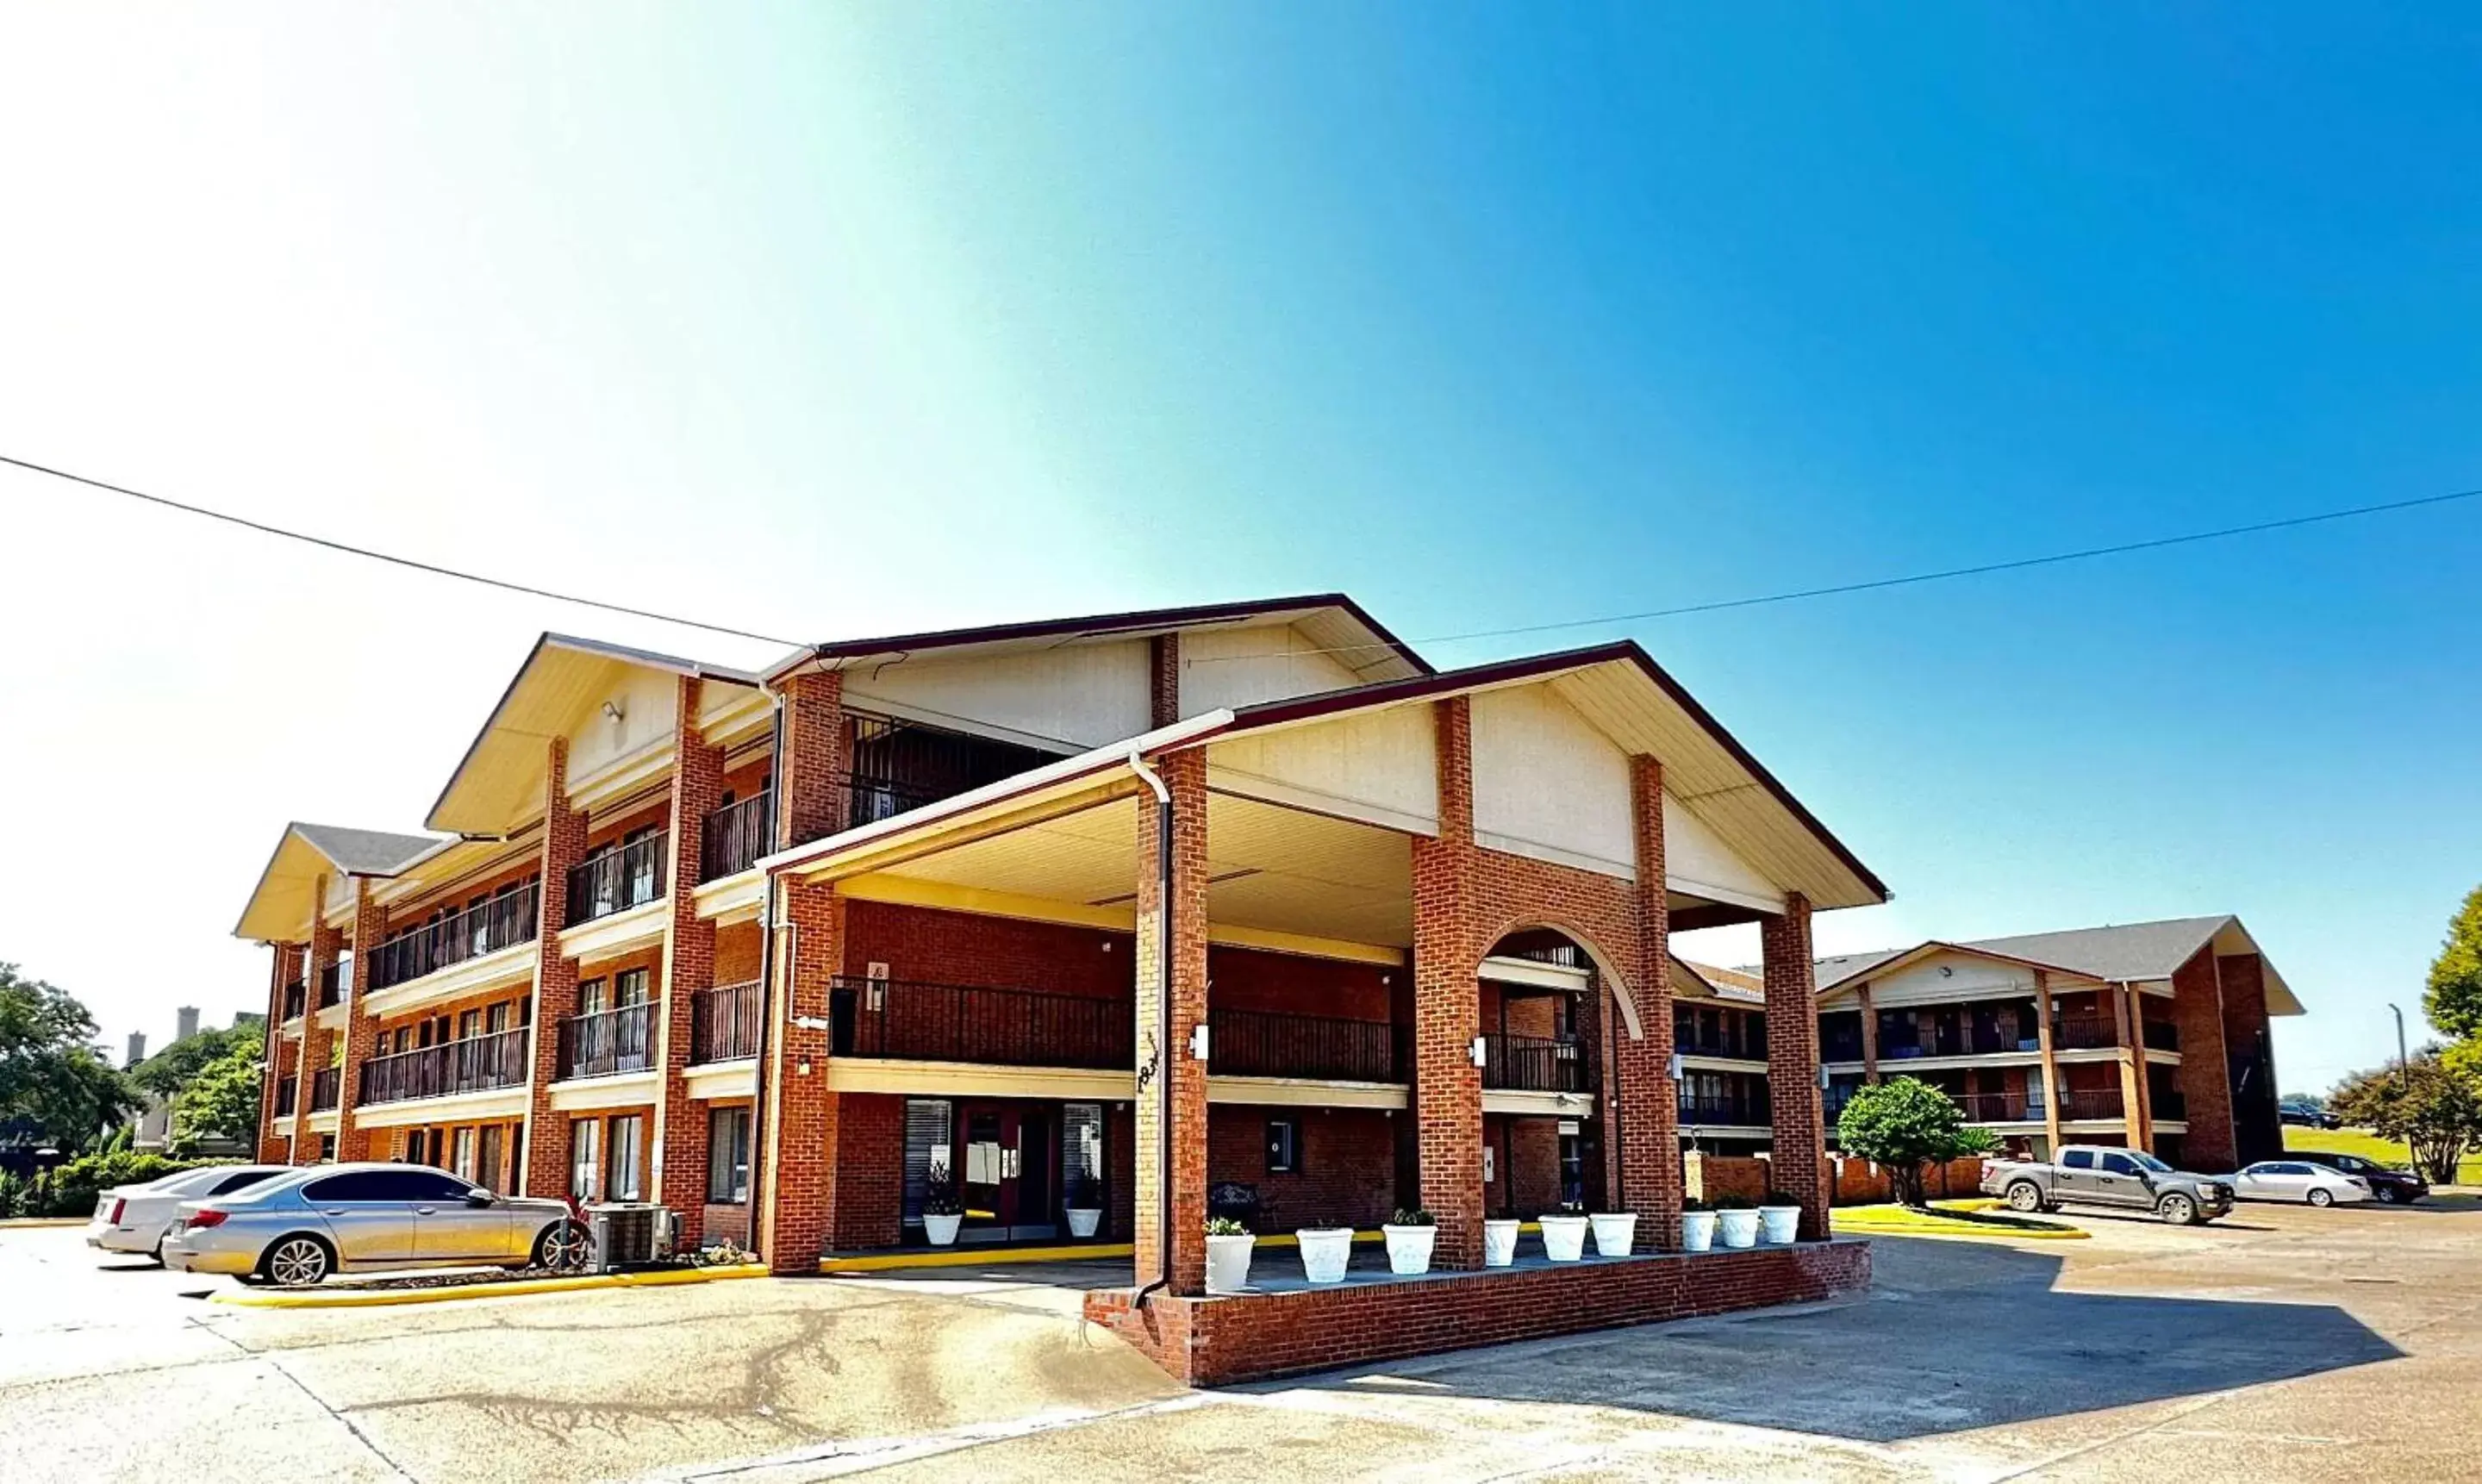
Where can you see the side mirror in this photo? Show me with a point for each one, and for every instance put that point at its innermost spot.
(478, 1197)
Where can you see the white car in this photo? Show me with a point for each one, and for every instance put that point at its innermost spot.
(133, 1218)
(2292, 1180)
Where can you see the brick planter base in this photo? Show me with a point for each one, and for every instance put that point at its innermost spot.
(1215, 1342)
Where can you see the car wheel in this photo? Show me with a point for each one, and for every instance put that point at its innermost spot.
(2322, 1198)
(2025, 1196)
(157, 1255)
(297, 1263)
(2177, 1209)
(2387, 1196)
(561, 1247)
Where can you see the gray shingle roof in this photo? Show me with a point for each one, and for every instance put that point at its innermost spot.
(2135, 950)
(366, 851)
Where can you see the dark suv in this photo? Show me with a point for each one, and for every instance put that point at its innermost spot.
(2394, 1186)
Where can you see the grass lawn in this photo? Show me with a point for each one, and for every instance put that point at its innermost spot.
(2369, 1146)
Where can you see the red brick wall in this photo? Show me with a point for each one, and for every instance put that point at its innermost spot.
(870, 1171)
(555, 987)
(1215, 1342)
(1447, 945)
(1288, 984)
(1163, 680)
(688, 967)
(737, 952)
(799, 1123)
(1799, 1147)
(1525, 1165)
(1860, 1183)
(811, 796)
(314, 1049)
(2257, 1130)
(1710, 1177)
(361, 1033)
(951, 947)
(2204, 1081)
(1348, 1157)
(1176, 927)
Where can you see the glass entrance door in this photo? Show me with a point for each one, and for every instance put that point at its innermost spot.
(1004, 1164)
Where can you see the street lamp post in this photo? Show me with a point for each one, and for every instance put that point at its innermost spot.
(2403, 1070)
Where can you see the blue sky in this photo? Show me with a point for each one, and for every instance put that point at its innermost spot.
(877, 318)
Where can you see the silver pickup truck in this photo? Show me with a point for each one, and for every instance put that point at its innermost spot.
(2088, 1174)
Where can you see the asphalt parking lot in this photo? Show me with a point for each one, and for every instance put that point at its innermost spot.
(2282, 1344)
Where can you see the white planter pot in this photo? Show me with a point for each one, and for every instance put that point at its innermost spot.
(941, 1229)
(1228, 1262)
(1778, 1222)
(1409, 1248)
(1738, 1229)
(1614, 1232)
(1696, 1231)
(1084, 1223)
(1325, 1252)
(1499, 1242)
(1564, 1238)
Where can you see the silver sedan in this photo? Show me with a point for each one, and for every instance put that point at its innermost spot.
(357, 1218)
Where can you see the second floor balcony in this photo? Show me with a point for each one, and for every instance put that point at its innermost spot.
(909, 1021)
(1743, 1110)
(1534, 1064)
(294, 996)
(723, 1022)
(486, 927)
(2086, 1033)
(324, 1085)
(617, 879)
(605, 1043)
(1255, 1044)
(473, 1065)
(286, 1092)
(2093, 1105)
(1998, 1107)
(733, 837)
(2162, 1035)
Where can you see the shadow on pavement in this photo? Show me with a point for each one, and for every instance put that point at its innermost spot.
(1965, 1338)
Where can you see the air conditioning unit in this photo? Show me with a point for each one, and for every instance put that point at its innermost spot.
(628, 1234)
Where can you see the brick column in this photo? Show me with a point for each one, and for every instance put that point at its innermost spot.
(797, 1176)
(1447, 1004)
(1175, 928)
(811, 801)
(1798, 1159)
(1163, 680)
(2212, 1144)
(689, 966)
(555, 993)
(361, 1028)
(274, 1139)
(1869, 1035)
(2050, 1068)
(316, 1039)
(1649, 1110)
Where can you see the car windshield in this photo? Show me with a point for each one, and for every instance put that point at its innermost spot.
(2150, 1161)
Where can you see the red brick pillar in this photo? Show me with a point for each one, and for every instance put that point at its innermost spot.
(316, 1040)
(797, 1189)
(689, 966)
(1798, 1159)
(283, 1059)
(361, 1028)
(2204, 1078)
(1447, 1003)
(555, 994)
(811, 776)
(1163, 680)
(1175, 927)
(1649, 1110)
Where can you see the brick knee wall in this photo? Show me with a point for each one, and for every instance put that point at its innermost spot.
(1215, 1342)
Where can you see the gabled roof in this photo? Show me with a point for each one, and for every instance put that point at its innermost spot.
(2124, 953)
(1330, 619)
(505, 758)
(1727, 984)
(281, 907)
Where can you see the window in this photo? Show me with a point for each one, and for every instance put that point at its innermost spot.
(489, 1171)
(728, 1155)
(628, 988)
(462, 1160)
(495, 1019)
(327, 1148)
(592, 998)
(585, 1163)
(232, 1182)
(1283, 1146)
(418, 1146)
(469, 1024)
(622, 1181)
(2077, 1159)
(2122, 1164)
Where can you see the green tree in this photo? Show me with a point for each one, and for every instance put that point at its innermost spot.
(1905, 1125)
(220, 1100)
(2453, 1000)
(2433, 1104)
(54, 1085)
(170, 1070)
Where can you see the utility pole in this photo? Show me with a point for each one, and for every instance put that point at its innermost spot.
(2404, 1071)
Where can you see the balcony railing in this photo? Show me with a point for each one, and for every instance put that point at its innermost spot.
(324, 1086)
(869, 800)
(734, 837)
(1997, 1107)
(723, 1022)
(473, 1065)
(617, 880)
(2101, 1102)
(604, 1042)
(294, 996)
(286, 1092)
(486, 928)
(904, 1020)
(1254, 1044)
(1533, 1064)
(2163, 1035)
(331, 985)
(1743, 1046)
(1839, 1048)
(2086, 1033)
(1752, 1111)
(2170, 1105)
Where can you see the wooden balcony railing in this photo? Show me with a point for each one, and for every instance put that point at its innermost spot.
(2162, 1035)
(325, 1084)
(908, 1021)
(723, 1022)
(286, 1092)
(2099, 1103)
(1533, 1064)
(473, 1065)
(1255, 1044)
(604, 1042)
(734, 837)
(618, 879)
(488, 927)
(1751, 1110)
(2086, 1033)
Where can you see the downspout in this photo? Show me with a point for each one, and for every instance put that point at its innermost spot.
(1163, 1028)
(767, 930)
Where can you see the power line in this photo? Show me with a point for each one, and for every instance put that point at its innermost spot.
(433, 568)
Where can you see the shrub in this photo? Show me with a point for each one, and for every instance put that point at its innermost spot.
(1735, 1204)
(1225, 1226)
(1905, 1125)
(1693, 1204)
(1417, 1217)
(939, 1198)
(71, 1189)
(1780, 1198)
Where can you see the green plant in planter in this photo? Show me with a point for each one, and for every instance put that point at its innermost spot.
(939, 1198)
(1781, 1198)
(1693, 1204)
(1417, 1217)
(1225, 1226)
(1085, 1194)
(1735, 1204)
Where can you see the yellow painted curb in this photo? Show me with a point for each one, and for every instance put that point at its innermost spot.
(1867, 1226)
(379, 1298)
(42, 1221)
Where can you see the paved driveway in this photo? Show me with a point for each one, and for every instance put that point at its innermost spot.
(2282, 1344)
